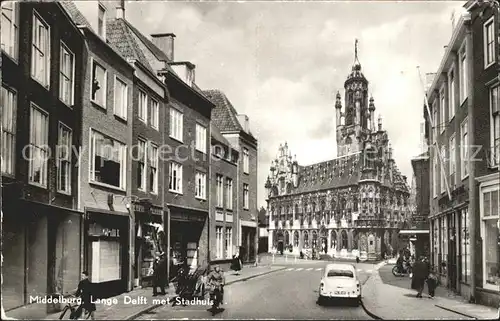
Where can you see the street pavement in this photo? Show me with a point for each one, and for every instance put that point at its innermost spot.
(287, 294)
(390, 298)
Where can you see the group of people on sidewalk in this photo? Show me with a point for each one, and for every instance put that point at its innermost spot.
(421, 274)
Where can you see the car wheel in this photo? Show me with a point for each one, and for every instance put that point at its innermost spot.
(321, 300)
(355, 302)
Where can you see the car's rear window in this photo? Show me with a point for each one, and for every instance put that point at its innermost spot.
(345, 273)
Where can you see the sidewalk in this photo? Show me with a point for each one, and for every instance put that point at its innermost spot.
(392, 302)
(130, 311)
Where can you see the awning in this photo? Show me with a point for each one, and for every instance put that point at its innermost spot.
(414, 232)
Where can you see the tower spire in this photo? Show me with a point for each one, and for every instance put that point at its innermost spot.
(356, 60)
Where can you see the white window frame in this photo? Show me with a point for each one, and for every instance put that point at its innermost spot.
(435, 121)
(64, 161)
(45, 79)
(246, 160)
(494, 127)
(489, 44)
(201, 138)
(42, 147)
(142, 110)
(175, 185)
(13, 29)
(103, 88)
(464, 148)
(176, 124)
(153, 164)
(219, 242)
(229, 193)
(101, 8)
(142, 150)
(246, 200)
(452, 168)
(442, 110)
(200, 186)
(68, 101)
(442, 170)
(451, 92)
(228, 238)
(219, 190)
(120, 111)
(489, 187)
(464, 72)
(435, 173)
(155, 114)
(123, 161)
(9, 120)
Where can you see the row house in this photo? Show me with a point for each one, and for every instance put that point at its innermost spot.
(223, 210)
(105, 167)
(44, 66)
(235, 128)
(463, 102)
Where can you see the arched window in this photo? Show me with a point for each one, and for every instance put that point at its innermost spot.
(344, 239)
(296, 239)
(333, 239)
(306, 240)
(315, 239)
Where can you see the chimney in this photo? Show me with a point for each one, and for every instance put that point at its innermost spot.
(120, 10)
(165, 41)
(244, 121)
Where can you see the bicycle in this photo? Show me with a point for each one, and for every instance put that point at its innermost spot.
(70, 306)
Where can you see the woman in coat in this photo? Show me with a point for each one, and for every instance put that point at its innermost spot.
(420, 274)
(236, 263)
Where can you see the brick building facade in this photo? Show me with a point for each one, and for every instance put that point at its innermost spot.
(44, 66)
(464, 228)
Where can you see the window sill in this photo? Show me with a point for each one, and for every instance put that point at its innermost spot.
(246, 208)
(95, 103)
(120, 118)
(116, 188)
(70, 106)
(142, 120)
(37, 185)
(155, 127)
(64, 192)
(451, 119)
(8, 175)
(246, 173)
(489, 65)
(463, 103)
(203, 199)
(14, 59)
(229, 210)
(177, 139)
(175, 192)
(201, 151)
(47, 87)
(464, 177)
(154, 193)
(218, 207)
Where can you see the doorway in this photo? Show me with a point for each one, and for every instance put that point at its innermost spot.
(280, 247)
(452, 253)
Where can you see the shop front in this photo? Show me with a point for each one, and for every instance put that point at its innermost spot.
(188, 238)
(107, 251)
(149, 242)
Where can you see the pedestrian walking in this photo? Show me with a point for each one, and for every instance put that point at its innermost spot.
(160, 274)
(84, 291)
(216, 281)
(432, 283)
(420, 274)
(236, 263)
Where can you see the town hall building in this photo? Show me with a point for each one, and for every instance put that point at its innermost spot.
(353, 205)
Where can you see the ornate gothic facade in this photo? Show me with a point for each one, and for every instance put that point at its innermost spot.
(352, 205)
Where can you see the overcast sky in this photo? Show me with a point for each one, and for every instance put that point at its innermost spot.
(281, 63)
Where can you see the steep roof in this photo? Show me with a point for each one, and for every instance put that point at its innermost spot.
(329, 174)
(224, 113)
(157, 52)
(75, 14)
(120, 36)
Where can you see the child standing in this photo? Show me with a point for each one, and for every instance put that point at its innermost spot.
(432, 283)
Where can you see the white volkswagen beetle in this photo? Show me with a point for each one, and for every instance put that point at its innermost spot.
(340, 281)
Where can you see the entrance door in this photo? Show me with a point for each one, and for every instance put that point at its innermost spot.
(452, 252)
(280, 247)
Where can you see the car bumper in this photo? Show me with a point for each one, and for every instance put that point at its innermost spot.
(340, 294)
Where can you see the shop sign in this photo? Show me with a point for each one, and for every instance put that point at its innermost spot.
(183, 216)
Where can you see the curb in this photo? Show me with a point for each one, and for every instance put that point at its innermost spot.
(459, 313)
(371, 314)
(154, 306)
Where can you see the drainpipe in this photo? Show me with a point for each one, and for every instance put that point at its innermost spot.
(472, 208)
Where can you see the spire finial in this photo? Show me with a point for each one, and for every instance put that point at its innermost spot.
(355, 50)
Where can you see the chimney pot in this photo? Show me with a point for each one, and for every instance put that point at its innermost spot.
(165, 41)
